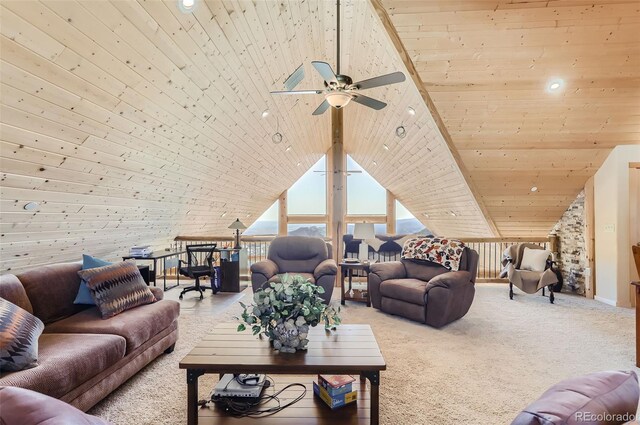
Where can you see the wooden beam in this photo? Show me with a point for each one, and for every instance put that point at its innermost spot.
(307, 219)
(391, 213)
(376, 219)
(337, 187)
(282, 214)
(590, 241)
(417, 80)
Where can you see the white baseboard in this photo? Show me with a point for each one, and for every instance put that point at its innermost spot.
(605, 300)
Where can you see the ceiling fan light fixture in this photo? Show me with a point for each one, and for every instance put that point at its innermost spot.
(338, 99)
(186, 5)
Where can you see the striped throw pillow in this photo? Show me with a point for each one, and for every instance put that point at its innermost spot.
(19, 333)
(117, 287)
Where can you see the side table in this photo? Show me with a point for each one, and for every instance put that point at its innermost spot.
(347, 269)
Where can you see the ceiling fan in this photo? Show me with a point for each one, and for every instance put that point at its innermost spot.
(340, 89)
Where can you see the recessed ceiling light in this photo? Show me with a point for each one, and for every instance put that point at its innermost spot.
(30, 206)
(411, 111)
(248, 215)
(375, 163)
(276, 138)
(555, 85)
(298, 164)
(425, 214)
(534, 188)
(265, 113)
(386, 148)
(223, 214)
(453, 214)
(288, 148)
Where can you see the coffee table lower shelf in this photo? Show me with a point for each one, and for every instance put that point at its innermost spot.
(308, 411)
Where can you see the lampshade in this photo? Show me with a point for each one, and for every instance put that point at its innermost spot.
(364, 231)
(338, 99)
(237, 225)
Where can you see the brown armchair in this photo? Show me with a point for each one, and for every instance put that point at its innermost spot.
(297, 255)
(423, 291)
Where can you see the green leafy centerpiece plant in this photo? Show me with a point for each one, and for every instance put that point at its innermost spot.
(284, 311)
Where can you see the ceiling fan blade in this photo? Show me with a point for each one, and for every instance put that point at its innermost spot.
(322, 108)
(383, 80)
(297, 92)
(367, 101)
(324, 69)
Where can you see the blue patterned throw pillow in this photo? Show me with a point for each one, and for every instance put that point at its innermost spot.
(84, 293)
(19, 333)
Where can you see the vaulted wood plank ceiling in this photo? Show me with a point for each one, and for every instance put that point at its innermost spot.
(487, 66)
(131, 122)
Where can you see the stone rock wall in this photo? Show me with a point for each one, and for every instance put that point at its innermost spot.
(572, 260)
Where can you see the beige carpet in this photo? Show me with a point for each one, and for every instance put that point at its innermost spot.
(483, 368)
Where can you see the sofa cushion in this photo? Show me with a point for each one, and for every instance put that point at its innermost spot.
(26, 407)
(136, 326)
(66, 361)
(52, 289)
(84, 293)
(576, 400)
(306, 276)
(19, 333)
(117, 287)
(11, 289)
(409, 290)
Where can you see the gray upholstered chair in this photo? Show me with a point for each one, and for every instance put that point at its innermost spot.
(297, 255)
(423, 291)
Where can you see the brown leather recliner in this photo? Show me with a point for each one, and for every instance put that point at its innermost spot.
(424, 291)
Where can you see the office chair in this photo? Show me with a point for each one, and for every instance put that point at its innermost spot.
(195, 271)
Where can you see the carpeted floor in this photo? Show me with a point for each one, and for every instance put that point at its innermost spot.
(483, 368)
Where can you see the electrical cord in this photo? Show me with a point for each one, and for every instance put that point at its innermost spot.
(246, 408)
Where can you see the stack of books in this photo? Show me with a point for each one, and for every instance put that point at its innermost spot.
(140, 251)
(335, 390)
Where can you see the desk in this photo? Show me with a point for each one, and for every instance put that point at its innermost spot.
(347, 269)
(159, 255)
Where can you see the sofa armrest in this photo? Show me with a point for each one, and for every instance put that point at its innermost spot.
(450, 280)
(327, 267)
(388, 270)
(267, 268)
(157, 292)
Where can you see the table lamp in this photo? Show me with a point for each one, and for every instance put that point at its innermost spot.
(237, 226)
(363, 231)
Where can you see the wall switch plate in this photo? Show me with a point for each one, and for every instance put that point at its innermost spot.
(610, 228)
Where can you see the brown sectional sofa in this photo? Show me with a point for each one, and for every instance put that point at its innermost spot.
(82, 357)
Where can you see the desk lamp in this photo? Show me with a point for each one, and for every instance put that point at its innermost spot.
(237, 226)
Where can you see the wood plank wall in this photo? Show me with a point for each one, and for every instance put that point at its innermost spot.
(130, 122)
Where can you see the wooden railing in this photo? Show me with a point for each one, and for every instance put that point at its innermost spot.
(257, 246)
(489, 249)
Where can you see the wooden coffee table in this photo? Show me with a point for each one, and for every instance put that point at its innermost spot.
(349, 350)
